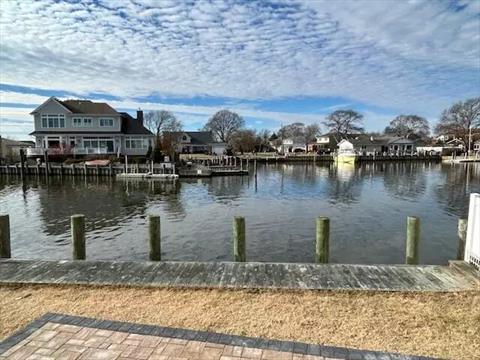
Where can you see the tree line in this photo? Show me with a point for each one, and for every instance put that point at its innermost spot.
(459, 120)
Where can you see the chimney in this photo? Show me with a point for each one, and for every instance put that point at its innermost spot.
(140, 116)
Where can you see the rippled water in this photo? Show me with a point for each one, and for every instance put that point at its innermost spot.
(367, 204)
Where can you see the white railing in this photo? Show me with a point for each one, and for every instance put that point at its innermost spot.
(472, 245)
(67, 151)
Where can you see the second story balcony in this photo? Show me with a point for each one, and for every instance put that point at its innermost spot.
(40, 151)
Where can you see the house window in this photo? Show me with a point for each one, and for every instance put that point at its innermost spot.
(106, 122)
(77, 122)
(137, 143)
(87, 122)
(99, 143)
(53, 120)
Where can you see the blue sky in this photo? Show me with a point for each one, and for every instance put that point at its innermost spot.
(273, 62)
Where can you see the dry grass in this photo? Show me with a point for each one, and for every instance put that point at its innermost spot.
(445, 325)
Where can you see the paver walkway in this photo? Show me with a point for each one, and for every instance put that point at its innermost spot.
(57, 336)
(240, 275)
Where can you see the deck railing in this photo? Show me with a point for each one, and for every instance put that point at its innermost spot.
(40, 151)
(472, 245)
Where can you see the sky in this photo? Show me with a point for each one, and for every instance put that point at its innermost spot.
(272, 62)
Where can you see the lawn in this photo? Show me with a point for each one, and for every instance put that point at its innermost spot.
(436, 324)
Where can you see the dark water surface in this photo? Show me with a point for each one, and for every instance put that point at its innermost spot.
(368, 205)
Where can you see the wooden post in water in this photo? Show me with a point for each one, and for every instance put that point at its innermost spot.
(462, 238)
(22, 163)
(413, 239)
(239, 239)
(255, 168)
(323, 237)
(154, 237)
(45, 157)
(78, 236)
(5, 237)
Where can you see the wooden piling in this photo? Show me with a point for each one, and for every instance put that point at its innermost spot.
(45, 157)
(154, 237)
(462, 238)
(5, 237)
(413, 239)
(255, 168)
(322, 242)
(22, 163)
(239, 239)
(78, 236)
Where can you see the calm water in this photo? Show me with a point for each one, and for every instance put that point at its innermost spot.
(367, 204)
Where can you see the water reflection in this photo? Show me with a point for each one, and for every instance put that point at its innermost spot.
(367, 204)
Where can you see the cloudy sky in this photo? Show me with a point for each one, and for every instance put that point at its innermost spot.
(273, 62)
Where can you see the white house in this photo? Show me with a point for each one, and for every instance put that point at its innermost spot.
(293, 144)
(81, 127)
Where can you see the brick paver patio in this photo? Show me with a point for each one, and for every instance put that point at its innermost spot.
(56, 336)
(58, 341)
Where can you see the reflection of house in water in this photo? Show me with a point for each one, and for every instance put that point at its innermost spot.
(104, 203)
(344, 183)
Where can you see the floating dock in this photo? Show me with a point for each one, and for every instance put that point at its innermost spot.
(147, 176)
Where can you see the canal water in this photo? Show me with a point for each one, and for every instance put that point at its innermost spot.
(367, 204)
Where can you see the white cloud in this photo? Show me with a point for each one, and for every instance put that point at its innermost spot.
(406, 55)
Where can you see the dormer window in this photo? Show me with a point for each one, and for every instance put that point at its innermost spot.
(184, 138)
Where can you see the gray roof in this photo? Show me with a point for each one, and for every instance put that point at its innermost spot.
(198, 137)
(131, 126)
(88, 107)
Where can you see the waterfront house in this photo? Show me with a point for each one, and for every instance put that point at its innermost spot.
(84, 127)
(197, 142)
(325, 143)
(369, 145)
(292, 144)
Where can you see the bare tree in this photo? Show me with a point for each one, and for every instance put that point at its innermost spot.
(163, 124)
(292, 130)
(161, 121)
(344, 122)
(460, 119)
(264, 139)
(407, 126)
(245, 140)
(311, 131)
(223, 124)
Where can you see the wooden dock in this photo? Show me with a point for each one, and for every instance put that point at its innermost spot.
(457, 277)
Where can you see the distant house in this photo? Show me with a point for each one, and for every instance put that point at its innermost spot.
(10, 149)
(292, 144)
(82, 127)
(369, 145)
(191, 142)
(324, 143)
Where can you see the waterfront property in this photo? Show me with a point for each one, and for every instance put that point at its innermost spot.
(195, 142)
(384, 145)
(10, 149)
(83, 127)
